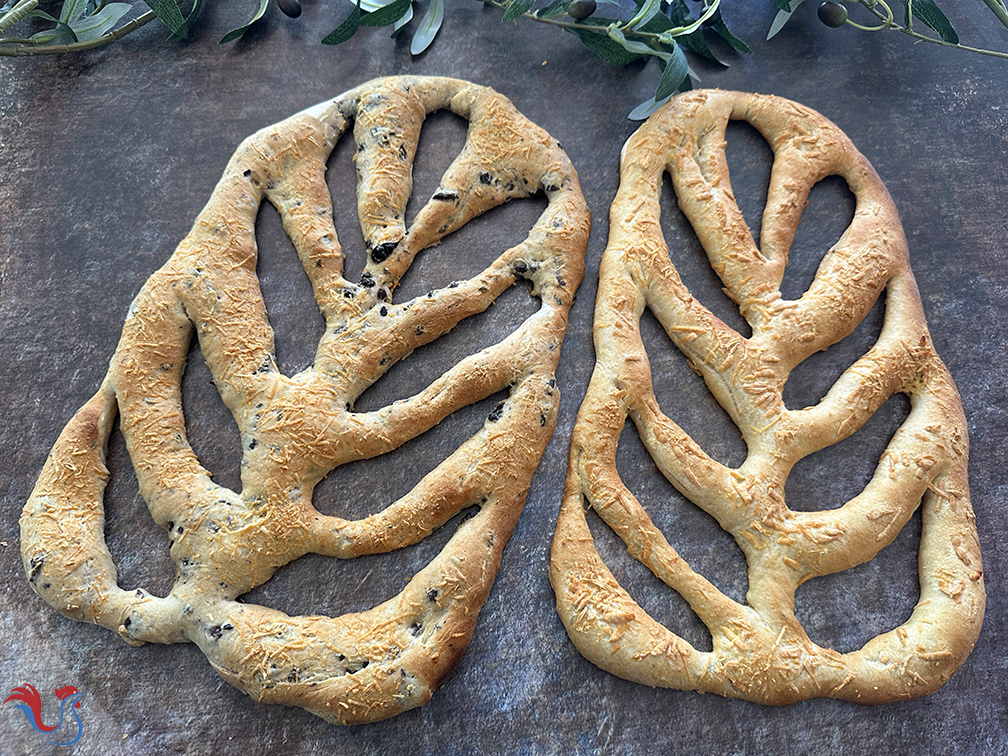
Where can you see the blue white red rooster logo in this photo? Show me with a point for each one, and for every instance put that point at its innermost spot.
(32, 707)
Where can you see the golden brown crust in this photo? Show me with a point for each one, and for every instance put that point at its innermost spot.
(760, 651)
(295, 430)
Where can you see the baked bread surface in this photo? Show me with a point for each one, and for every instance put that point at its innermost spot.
(295, 429)
(760, 652)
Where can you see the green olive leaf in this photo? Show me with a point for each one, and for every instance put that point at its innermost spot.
(100, 22)
(197, 6)
(606, 48)
(72, 10)
(554, 9)
(931, 14)
(680, 16)
(387, 14)
(676, 71)
(646, 108)
(780, 19)
(784, 5)
(429, 25)
(347, 29)
(631, 46)
(235, 33)
(403, 20)
(61, 35)
(170, 15)
(722, 30)
(517, 8)
(648, 10)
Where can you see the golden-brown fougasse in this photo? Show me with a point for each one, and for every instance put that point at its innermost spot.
(760, 652)
(294, 430)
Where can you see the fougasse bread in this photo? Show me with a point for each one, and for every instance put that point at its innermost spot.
(363, 666)
(760, 651)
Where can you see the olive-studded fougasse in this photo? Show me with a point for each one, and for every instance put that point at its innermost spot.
(760, 651)
(362, 666)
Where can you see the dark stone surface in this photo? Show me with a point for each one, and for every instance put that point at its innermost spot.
(106, 159)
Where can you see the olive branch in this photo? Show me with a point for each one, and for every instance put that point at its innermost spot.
(620, 32)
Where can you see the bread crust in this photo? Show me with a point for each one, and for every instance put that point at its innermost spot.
(760, 652)
(294, 430)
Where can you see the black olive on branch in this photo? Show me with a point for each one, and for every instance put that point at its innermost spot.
(580, 9)
(832, 14)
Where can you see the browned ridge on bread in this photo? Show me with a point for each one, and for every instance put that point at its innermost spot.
(296, 429)
(760, 652)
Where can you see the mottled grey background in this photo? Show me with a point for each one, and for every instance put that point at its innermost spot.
(105, 160)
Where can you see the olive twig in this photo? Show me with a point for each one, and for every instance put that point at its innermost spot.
(883, 26)
(16, 13)
(18, 48)
(627, 28)
(890, 24)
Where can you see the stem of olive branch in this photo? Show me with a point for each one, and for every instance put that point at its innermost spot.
(19, 49)
(924, 38)
(679, 31)
(15, 14)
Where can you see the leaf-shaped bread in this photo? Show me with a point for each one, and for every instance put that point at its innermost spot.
(760, 651)
(296, 429)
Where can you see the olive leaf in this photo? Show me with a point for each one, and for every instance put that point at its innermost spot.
(384, 15)
(62, 33)
(429, 25)
(171, 16)
(736, 43)
(679, 15)
(605, 47)
(930, 14)
(235, 33)
(648, 10)
(643, 111)
(675, 73)
(72, 10)
(517, 8)
(405, 19)
(387, 14)
(347, 29)
(557, 8)
(100, 22)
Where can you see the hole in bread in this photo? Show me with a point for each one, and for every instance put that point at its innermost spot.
(663, 604)
(322, 585)
(138, 545)
(691, 263)
(287, 293)
(427, 363)
(465, 253)
(829, 212)
(358, 489)
(684, 397)
(847, 609)
(210, 430)
(750, 161)
(341, 178)
(812, 378)
(442, 138)
(833, 476)
(694, 534)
